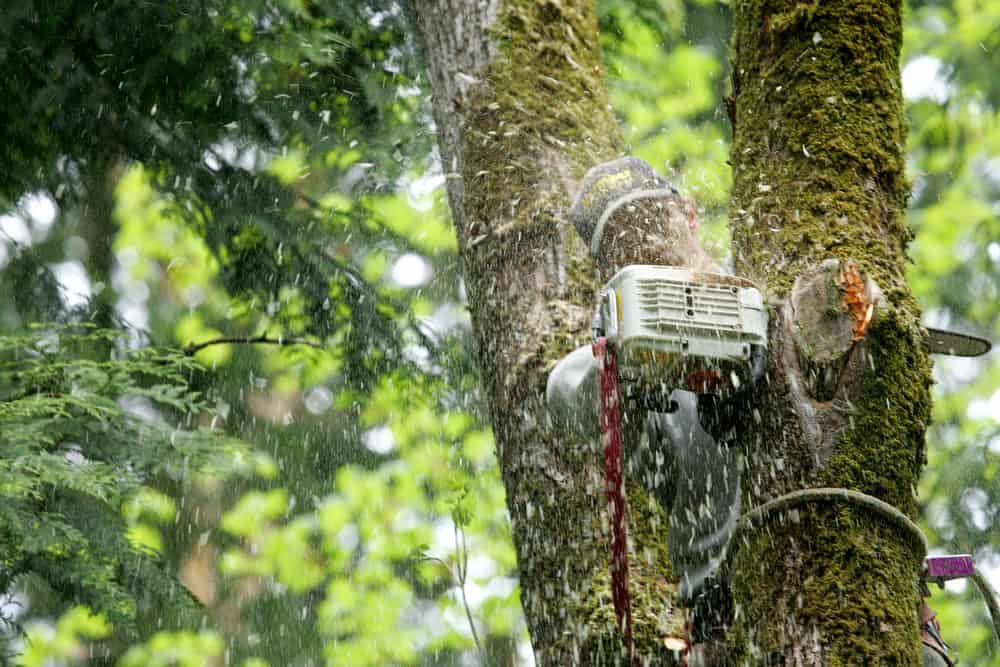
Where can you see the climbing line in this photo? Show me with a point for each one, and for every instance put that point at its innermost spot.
(990, 596)
(762, 513)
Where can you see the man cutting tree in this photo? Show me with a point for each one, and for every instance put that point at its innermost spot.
(628, 215)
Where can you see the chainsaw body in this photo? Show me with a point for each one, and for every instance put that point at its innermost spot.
(673, 328)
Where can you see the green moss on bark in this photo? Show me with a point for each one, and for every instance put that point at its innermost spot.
(854, 591)
(819, 133)
(818, 173)
(659, 624)
(537, 122)
(533, 123)
(881, 449)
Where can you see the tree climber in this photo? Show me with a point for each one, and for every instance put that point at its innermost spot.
(627, 214)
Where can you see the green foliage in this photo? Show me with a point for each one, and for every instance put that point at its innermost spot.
(176, 649)
(383, 539)
(952, 50)
(165, 82)
(65, 644)
(85, 423)
(65, 641)
(257, 196)
(243, 115)
(258, 167)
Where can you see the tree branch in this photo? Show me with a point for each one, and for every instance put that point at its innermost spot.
(194, 348)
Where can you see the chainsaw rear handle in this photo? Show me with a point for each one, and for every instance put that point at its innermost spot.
(719, 414)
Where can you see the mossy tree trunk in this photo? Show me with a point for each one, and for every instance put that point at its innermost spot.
(522, 113)
(817, 159)
(818, 200)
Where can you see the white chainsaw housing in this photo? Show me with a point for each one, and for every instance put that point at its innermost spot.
(682, 329)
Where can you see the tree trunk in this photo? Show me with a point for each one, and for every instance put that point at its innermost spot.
(522, 113)
(817, 159)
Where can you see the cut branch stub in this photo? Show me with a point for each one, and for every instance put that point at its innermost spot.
(833, 306)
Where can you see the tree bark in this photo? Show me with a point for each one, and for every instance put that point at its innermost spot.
(522, 113)
(817, 222)
(818, 200)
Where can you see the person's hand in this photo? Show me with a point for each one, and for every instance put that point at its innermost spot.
(719, 413)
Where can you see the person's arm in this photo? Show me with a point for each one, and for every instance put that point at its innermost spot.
(571, 394)
(626, 213)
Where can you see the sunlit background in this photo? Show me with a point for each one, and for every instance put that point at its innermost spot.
(266, 170)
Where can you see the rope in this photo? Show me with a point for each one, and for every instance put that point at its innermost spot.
(990, 596)
(792, 500)
(796, 498)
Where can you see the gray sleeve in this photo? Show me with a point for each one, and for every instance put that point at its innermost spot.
(695, 478)
(571, 393)
(706, 504)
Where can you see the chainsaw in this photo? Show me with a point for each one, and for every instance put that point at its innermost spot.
(661, 328)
